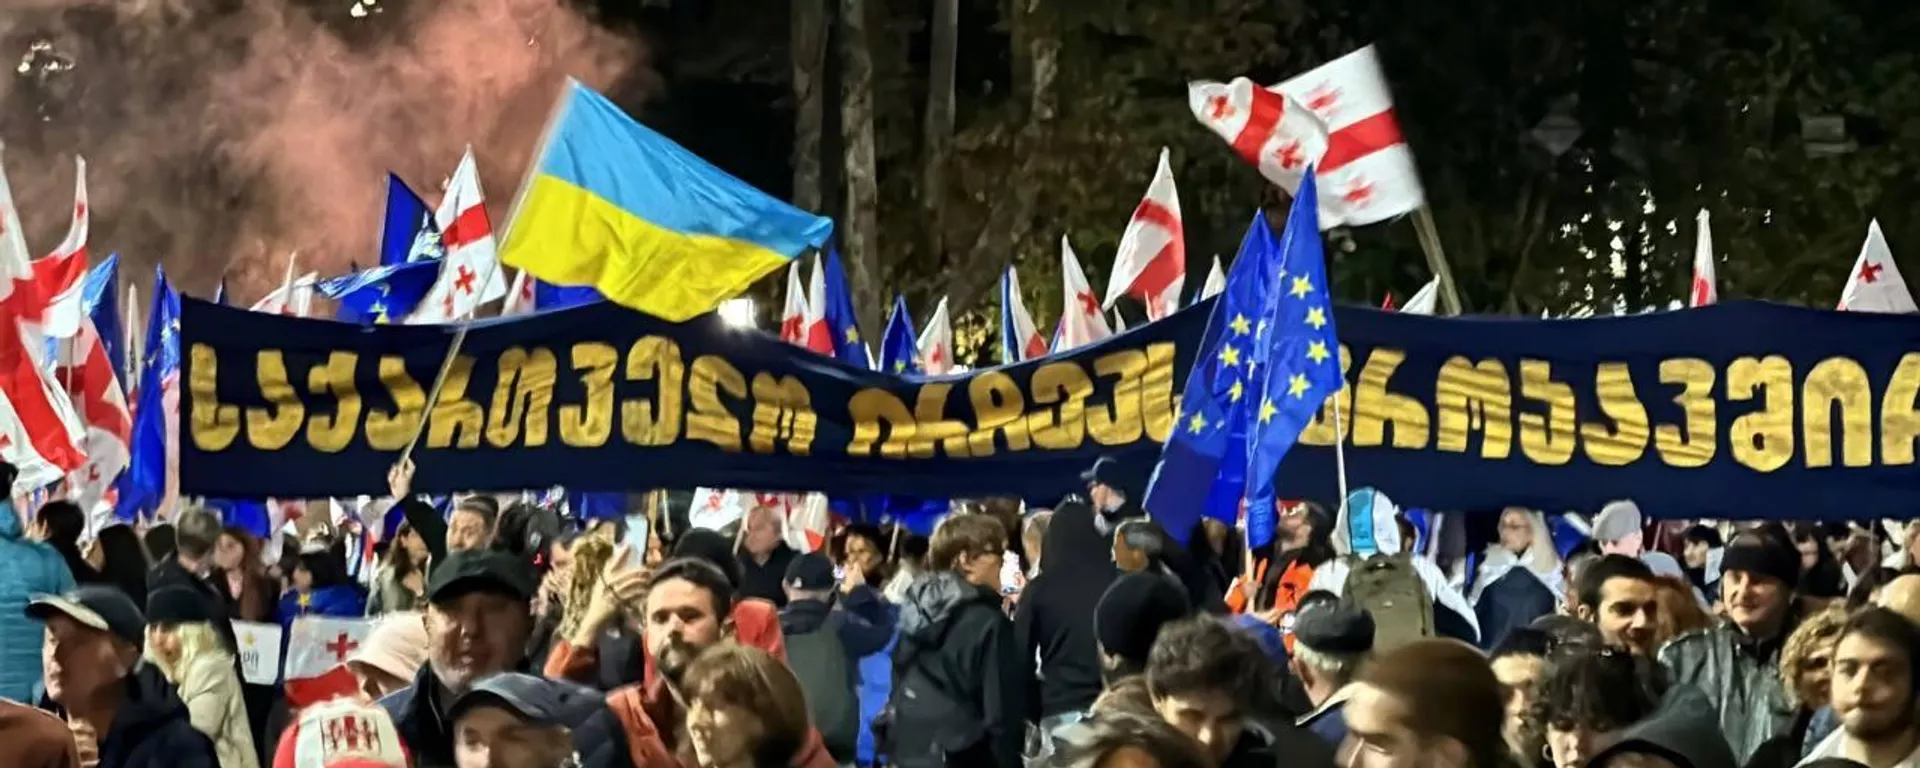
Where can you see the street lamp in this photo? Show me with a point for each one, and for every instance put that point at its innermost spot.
(738, 313)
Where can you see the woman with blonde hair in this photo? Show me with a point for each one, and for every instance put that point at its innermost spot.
(183, 644)
(1806, 674)
(745, 709)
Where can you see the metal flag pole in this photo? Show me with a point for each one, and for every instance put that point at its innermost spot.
(1339, 444)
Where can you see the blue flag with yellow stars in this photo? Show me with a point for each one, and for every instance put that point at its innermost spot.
(1297, 360)
(383, 294)
(842, 323)
(1202, 469)
(899, 346)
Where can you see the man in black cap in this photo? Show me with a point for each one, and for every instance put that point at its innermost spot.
(1735, 662)
(1330, 642)
(123, 714)
(826, 640)
(1129, 617)
(1111, 492)
(478, 619)
(517, 719)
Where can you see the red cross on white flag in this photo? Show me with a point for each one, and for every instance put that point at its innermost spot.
(793, 317)
(62, 273)
(520, 296)
(471, 274)
(1875, 285)
(936, 342)
(1151, 261)
(1081, 319)
(317, 650)
(1338, 117)
(43, 435)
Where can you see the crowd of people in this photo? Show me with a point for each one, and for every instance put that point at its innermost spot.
(1082, 636)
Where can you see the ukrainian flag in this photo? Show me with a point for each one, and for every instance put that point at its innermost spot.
(613, 205)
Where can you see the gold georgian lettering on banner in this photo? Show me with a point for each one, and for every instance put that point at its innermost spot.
(666, 396)
(1762, 413)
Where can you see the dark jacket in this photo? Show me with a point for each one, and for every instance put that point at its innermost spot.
(597, 736)
(765, 581)
(1512, 601)
(1053, 626)
(426, 521)
(1739, 676)
(959, 694)
(152, 728)
(862, 621)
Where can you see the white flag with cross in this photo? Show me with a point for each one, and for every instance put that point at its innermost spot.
(318, 644)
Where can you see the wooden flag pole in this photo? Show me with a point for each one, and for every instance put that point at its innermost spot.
(1436, 259)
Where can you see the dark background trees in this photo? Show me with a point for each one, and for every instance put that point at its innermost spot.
(1564, 146)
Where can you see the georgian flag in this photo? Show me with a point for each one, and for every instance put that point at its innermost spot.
(936, 342)
(520, 298)
(1876, 284)
(470, 272)
(39, 432)
(1151, 263)
(61, 274)
(91, 384)
(1364, 168)
(793, 317)
(316, 662)
(1020, 339)
(1704, 291)
(815, 333)
(1081, 320)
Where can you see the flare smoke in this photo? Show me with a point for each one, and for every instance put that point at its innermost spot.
(223, 134)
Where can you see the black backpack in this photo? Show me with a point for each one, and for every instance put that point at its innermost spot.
(831, 682)
(931, 721)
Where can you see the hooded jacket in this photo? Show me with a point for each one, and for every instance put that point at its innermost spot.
(598, 736)
(1053, 627)
(959, 693)
(1383, 515)
(27, 568)
(152, 729)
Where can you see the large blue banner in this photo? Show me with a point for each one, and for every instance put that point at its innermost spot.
(1741, 410)
(606, 399)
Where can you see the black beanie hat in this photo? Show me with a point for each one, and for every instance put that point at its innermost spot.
(1763, 556)
(1131, 613)
(179, 605)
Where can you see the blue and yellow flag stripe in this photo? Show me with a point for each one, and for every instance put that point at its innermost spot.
(614, 205)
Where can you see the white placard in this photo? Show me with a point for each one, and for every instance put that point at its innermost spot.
(259, 651)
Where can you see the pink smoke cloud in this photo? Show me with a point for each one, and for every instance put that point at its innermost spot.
(222, 136)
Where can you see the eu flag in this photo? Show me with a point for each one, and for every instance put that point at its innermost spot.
(100, 299)
(1296, 360)
(842, 323)
(899, 347)
(381, 294)
(408, 232)
(145, 482)
(1202, 469)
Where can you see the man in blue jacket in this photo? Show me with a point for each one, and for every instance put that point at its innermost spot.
(825, 643)
(35, 569)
